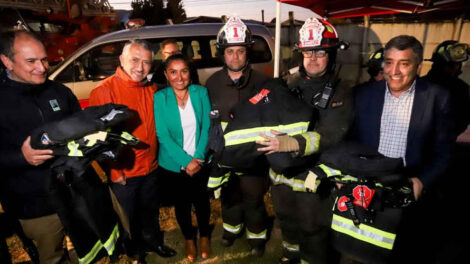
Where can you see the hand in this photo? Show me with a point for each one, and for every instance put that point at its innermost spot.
(193, 167)
(121, 180)
(35, 157)
(417, 187)
(271, 143)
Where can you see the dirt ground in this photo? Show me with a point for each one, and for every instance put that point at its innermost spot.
(238, 253)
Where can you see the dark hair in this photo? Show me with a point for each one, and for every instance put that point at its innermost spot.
(8, 41)
(404, 42)
(168, 41)
(175, 57)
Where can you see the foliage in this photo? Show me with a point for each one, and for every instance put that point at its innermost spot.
(154, 12)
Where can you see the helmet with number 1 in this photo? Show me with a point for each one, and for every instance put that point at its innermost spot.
(234, 33)
(317, 34)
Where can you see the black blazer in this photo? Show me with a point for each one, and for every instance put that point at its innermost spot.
(430, 134)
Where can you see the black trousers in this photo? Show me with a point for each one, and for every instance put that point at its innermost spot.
(139, 199)
(187, 191)
(418, 237)
(243, 204)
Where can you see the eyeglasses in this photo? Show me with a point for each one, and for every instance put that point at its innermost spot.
(318, 53)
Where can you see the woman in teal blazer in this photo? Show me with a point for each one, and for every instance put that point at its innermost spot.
(182, 124)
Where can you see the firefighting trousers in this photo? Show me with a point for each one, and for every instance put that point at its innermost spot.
(314, 219)
(85, 210)
(243, 207)
(139, 199)
(287, 209)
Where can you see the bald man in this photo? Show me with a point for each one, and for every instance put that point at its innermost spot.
(27, 101)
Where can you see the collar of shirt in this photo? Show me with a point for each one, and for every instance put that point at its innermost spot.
(8, 74)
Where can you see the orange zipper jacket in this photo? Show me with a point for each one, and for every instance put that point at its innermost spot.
(138, 96)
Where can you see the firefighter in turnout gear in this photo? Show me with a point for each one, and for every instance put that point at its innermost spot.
(305, 217)
(447, 59)
(242, 197)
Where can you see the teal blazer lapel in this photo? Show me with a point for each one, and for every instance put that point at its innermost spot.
(173, 116)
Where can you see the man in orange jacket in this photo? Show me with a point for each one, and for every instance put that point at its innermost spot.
(133, 177)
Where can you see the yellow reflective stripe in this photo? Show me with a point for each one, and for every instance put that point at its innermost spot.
(280, 179)
(110, 244)
(347, 178)
(363, 232)
(329, 171)
(217, 181)
(90, 143)
(252, 134)
(302, 261)
(233, 229)
(261, 235)
(290, 247)
(91, 139)
(299, 186)
(127, 136)
(223, 125)
(312, 140)
(73, 149)
(88, 258)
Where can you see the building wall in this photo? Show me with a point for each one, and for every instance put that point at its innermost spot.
(430, 35)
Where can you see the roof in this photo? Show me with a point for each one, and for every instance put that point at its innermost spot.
(353, 8)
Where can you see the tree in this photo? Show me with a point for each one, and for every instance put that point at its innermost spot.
(154, 13)
(176, 11)
(151, 11)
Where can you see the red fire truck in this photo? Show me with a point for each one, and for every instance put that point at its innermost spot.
(63, 25)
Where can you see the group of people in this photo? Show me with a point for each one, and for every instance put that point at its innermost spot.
(402, 116)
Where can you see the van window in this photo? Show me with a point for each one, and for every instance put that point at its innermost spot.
(96, 64)
(102, 61)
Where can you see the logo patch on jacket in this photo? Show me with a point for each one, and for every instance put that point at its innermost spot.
(363, 195)
(342, 207)
(259, 96)
(55, 105)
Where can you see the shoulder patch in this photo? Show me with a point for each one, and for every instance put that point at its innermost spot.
(259, 96)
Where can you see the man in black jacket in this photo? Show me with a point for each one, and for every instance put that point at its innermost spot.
(28, 100)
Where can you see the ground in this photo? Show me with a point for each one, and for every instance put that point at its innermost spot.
(238, 253)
